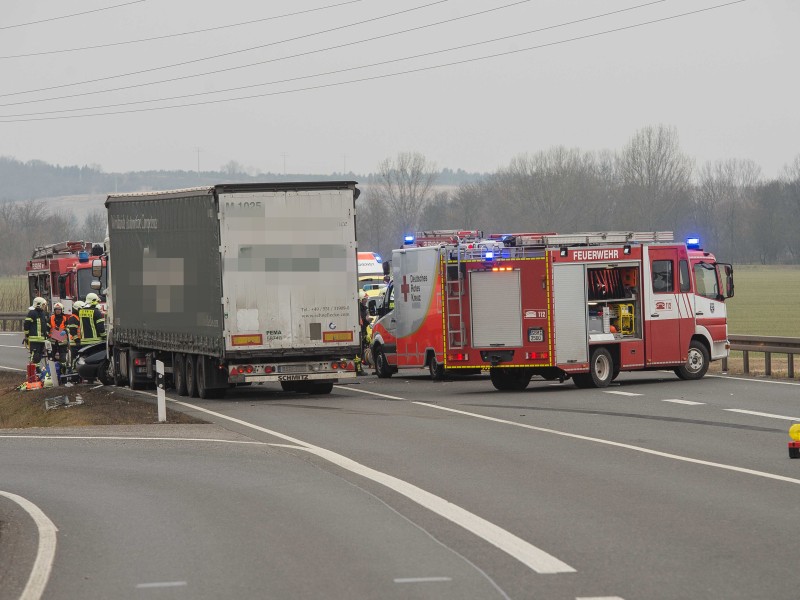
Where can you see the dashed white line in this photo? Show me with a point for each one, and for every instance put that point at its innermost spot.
(422, 579)
(599, 598)
(46, 551)
(761, 414)
(687, 402)
(161, 584)
(621, 393)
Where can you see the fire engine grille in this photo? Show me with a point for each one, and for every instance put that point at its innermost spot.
(495, 306)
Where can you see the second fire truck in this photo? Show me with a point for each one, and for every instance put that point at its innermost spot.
(62, 272)
(584, 306)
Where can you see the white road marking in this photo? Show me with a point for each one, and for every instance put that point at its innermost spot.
(122, 437)
(687, 402)
(599, 598)
(620, 445)
(621, 393)
(761, 414)
(421, 579)
(46, 551)
(18, 347)
(161, 584)
(753, 380)
(527, 553)
(343, 387)
(14, 369)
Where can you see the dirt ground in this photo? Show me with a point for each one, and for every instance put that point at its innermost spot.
(88, 404)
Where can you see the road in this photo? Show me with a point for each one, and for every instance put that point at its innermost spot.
(409, 488)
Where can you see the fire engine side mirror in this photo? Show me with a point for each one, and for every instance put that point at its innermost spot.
(96, 285)
(97, 268)
(726, 271)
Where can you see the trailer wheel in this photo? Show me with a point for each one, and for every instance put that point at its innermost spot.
(289, 386)
(191, 377)
(204, 392)
(132, 383)
(179, 374)
(510, 379)
(382, 367)
(317, 388)
(435, 369)
(601, 368)
(696, 362)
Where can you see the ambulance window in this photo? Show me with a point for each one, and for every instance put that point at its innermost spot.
(686, 284)
(663, 278)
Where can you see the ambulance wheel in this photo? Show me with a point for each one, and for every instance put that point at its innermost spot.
(696, 362)
(179, 374)
(191, 376)
(510, 379)
(601, 368)
(382, 367)
(435, 369)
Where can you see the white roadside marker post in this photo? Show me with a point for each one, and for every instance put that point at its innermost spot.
(162, 395)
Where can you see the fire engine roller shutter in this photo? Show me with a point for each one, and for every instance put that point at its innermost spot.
(569, 293)
(495, 306)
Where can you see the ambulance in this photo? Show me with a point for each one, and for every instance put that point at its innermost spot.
(370, 274)
(583, 306)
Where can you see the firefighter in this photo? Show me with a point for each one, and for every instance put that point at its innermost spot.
(93, 321)
(58, 332)
(363, 318)
(37, 329)
(74, 332)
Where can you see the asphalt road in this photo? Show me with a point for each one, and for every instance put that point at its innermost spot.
(408, 488)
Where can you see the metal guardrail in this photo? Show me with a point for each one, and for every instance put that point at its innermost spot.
(12, 318)
(768, 345)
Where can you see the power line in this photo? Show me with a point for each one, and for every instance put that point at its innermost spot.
(338, 71)
(197, 60)
(388, 75)
(272, 60)
(86, 12)
(184, 33)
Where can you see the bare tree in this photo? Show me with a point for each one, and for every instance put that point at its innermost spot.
(404, 187)
(656, 178)
(790, 180)
(94, 227)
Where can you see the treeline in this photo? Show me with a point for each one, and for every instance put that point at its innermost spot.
(648, 185)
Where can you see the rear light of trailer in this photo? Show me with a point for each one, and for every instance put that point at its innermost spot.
(140, 362)
(454, 356)
(340, 365)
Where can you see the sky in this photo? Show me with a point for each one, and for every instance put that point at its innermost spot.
(332, 86)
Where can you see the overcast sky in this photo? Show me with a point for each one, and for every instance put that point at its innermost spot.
(726, 78)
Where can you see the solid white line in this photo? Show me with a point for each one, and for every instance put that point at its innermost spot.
(161, 584)
(122, 437)
(342, 387)
(46, 551)
(13, 369)
(421, 579)
(687, 402)
(753, 380)
(526, 553)
(18, 347)
(761, 414)
(599, 598)
(620, 445)
(621, 393)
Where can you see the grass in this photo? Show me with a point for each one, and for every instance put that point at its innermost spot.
(766, 301)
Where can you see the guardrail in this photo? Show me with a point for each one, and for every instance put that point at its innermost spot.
(13, 318)
(767, 345)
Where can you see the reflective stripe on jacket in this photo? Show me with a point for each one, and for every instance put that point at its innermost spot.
(93, 327)
(36, 326)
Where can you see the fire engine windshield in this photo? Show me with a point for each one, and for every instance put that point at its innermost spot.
(85, 283)
(705, 276)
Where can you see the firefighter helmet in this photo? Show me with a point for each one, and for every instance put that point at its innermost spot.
(77, 305)
(39, 302)
(58, 306)
(92, 298)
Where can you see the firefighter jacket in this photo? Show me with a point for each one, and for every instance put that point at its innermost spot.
(37, 328)
(58, 322)
(74, 329)
(93, 325)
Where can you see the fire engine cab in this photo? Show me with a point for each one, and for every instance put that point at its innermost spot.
(584, 306)
(63, 272)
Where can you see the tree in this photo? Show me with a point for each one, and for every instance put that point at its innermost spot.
(404, 187)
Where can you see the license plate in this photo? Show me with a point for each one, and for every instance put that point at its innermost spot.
(294, 368)
(536, 335)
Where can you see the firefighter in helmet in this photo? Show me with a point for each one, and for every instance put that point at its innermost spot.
(37, 328)
(93, 321)
(74, 331)
(58, 332)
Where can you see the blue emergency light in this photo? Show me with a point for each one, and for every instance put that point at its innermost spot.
(409, 239)
(83, 256)
(489, 255)
(693, 243)
(378, 258)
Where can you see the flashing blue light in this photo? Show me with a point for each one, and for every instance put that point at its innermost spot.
(409, 239)
(83, 256)
(489, 255)
(378, 258)
(693, 243)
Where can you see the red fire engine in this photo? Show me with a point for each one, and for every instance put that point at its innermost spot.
(63, 272)
(584, 306)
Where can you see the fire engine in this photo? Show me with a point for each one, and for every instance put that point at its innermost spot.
(62, 272)
(584, 306)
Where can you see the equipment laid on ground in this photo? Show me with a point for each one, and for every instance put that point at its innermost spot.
(584, 305)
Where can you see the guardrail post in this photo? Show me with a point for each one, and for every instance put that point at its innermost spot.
(790, 366)
(724, 365)
(746, 361)
(768, 363)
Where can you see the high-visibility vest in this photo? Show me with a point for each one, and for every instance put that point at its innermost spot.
(36, 326)
(74, 328)
(92, 325)
(58, 326)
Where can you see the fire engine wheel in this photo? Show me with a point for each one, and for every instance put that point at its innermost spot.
(179, 374)
(191, 376)
(382, 367)
(510, 379)
(435, 369)
(601, 368)
(696, 362)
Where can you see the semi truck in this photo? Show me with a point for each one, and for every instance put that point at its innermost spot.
(233, 284)
(584, 306)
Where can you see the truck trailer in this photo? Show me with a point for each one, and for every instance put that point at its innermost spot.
(233, 284)
(584, 306)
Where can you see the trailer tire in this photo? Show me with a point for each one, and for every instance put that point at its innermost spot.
(601, 368)
(191, 377)
(316, 388)
(179, 374)
(382, 367)
(696, 362)
(514, 380)
(435, 369)
(289, 386)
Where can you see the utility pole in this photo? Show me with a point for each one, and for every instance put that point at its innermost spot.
(198, 160)
(284, 163)
(344, 163)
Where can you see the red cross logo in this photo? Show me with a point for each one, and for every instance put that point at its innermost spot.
(404, 289)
